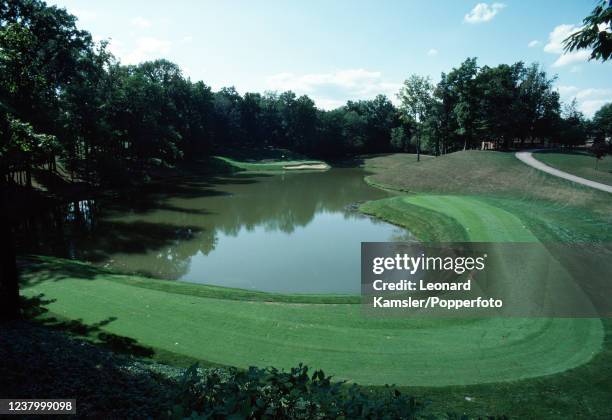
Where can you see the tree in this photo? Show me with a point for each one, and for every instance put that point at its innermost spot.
(524, 93)
(399, 139)
(250, 113)
(226, 120)
(434, 130)
(602, 122)
(465, 100)
(595, 33)
(354, 131)
(599, 150)
(331, 141)
(302, 123)
(573, 126)
(9, 280)
(444, 114)
(416, 96)
(498, 88)
(380, 116)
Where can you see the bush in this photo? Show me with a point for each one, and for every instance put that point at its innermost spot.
(270, 393)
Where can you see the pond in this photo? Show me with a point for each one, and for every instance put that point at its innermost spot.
(290, 232)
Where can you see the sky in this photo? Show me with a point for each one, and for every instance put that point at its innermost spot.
(341, 50)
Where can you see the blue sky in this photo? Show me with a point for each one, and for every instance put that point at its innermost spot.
(339, 50)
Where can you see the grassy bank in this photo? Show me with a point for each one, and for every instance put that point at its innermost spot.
(548, 209)
(490, 174)
(334, 337)
(579, 163)
(528, 368)
(270, 165)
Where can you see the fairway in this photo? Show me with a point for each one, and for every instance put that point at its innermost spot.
(482, 222)
(335, 337)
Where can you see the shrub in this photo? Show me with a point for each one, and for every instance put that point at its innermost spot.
(271, 393)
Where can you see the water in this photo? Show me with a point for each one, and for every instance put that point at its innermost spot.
(279, 233)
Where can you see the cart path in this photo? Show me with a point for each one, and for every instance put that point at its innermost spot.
(527, 158)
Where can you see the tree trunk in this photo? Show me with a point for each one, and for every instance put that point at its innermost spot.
(9, 283)
(418, 149)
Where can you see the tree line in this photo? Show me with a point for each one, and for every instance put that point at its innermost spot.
(65, 97)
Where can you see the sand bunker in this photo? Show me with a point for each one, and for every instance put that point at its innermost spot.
(307, 166)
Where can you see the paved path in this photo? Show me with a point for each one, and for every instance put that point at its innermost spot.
(528, 159)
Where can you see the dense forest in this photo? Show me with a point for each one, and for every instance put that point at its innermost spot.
(65, 98)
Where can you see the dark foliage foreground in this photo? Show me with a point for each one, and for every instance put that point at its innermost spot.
(38, 362)
(270, 393)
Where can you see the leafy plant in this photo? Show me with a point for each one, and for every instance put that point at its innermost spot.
(272, 393)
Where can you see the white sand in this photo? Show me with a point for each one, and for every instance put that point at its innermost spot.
(307, 166)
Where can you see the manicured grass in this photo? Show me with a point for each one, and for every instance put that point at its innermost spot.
(579, 393)
(274, 165)
(215, 325)
(453, 218)
(57, 268)
(564, 214)
(579, 163)
(425, 225)
(335, 337)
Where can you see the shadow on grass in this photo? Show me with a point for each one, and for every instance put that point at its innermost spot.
(34, 308)
(38, 269)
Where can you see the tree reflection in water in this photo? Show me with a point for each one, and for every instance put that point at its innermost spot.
(159, 229)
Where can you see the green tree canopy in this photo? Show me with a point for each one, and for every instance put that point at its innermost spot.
(595, 34)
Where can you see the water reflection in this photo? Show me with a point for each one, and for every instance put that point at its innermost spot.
(287, 232)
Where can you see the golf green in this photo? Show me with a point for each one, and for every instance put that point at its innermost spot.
(335, 337)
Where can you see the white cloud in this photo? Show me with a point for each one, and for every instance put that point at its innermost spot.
(141, 23)
(84, 15)
(483, 12)
(590, 107)
(330, 90)
(573, 57)
(186, 39)
(589, 100)
(533, 43)
(114, 46)
(555, 46)
(432, 52)
(604, 27)
(556, 37)
(593, 93)
(566, 90)
(329, 104)
(146, 48)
